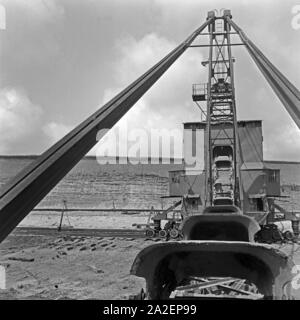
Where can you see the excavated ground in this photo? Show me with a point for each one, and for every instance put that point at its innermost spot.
(70, 267)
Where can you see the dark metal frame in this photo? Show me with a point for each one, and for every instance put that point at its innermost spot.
(221, 110)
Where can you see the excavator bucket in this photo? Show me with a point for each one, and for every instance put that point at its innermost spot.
(214, 269)
(217, 259)
(224, 223)
(230, 227)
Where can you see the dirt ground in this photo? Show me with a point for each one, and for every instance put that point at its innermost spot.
(69, 267)
(39, 267)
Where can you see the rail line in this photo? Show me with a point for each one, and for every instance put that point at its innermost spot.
(52, 232)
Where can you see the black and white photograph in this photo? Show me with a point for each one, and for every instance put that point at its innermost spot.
(149, 150)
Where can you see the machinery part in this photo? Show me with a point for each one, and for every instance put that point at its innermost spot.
(276, 235)
(222, 209)
(162, 233)
(288, 94)
(156, 225)
(140, 296)
(221, 162)
(269, 233)
(264, 235)
(170, 209)
(284, 225)
(20, 195)
(150, 233)
(295, 226)
(220, 226)
(163, 215)
(217, 288)
(288, 235)
(166, 266)
(174, 233)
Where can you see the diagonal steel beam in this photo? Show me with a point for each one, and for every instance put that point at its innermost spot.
(288, 94)
(19, 196)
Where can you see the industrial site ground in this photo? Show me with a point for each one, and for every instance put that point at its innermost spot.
(71, 267)
(48, 267)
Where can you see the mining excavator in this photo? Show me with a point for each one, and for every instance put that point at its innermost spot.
(224, 207)
(219, 257)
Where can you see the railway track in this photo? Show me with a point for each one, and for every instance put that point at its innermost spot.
(33, 231)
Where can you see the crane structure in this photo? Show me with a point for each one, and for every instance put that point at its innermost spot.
(218, 256)
(222, 181)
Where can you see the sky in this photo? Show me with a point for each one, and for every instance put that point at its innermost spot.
(60, 60)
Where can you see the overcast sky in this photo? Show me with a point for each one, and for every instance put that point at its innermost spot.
(62, 59)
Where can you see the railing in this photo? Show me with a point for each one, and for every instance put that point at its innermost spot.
(199, 92)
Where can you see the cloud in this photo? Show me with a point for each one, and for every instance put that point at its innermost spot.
(55, 131)
(166, 104)
(31, 37)
(19, 118)
(136, 56)
(54, 50)
(256, 100)
(284, 143)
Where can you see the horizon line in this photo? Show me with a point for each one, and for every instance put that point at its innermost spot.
(171, 159)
